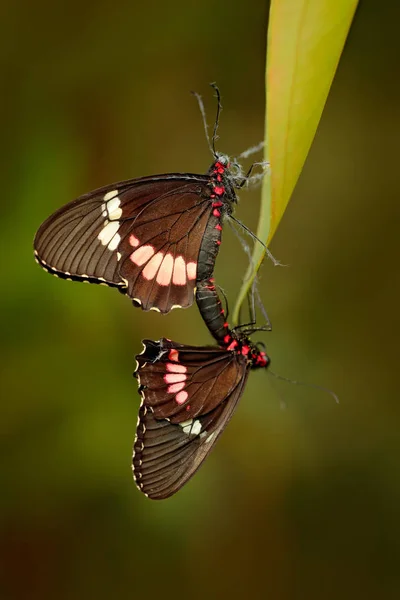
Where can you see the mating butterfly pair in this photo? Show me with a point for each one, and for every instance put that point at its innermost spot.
(156, 239)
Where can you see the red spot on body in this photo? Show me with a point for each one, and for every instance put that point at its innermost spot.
(232, 345)
(217, 204)
(219, 190)
(216, 212)
(262, 359)
(219, 178)
(245, 350)
(219, 168)
(226, 324)
(222, 312)
(227, 339)
(218, 227)
(218, 242)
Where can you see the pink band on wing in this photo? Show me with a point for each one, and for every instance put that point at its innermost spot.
(179, 276)
(142, 255)
(174, 377)
(176, 387)
(191, 269)
(165, 271)
(133, 241)
(181, 397)
(176, 368)
(151, 269)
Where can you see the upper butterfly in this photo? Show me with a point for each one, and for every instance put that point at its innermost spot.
(150, 237)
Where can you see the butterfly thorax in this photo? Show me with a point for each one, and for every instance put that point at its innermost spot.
(242, 345)
(222, 184)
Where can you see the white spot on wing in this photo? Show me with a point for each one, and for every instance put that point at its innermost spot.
(191, 427)
(110, 195)
(108, 232)
(114, 243)
(114, 212)
(196, 428)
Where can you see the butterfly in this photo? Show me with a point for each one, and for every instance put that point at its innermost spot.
(188, 394)
(151, 237)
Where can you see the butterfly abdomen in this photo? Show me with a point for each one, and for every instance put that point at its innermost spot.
(211, 310)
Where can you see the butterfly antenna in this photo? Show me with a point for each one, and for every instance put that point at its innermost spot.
(260, 303)
(253, 235)
(203, 115)
(317, 387)
(216, 123)
(251, 306)
(250, 151)
(250, 179)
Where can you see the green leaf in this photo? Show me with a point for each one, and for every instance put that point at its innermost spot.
(305, 41)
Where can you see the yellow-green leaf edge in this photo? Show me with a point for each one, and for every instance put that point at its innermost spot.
(304, 43)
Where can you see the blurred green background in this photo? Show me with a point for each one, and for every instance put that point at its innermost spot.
(295, 503)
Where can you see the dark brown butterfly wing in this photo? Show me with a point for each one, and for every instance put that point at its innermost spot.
(175, 434)
(142, 236)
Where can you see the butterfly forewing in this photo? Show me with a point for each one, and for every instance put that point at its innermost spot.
(181, 382)
(170, 448)
(142, 235)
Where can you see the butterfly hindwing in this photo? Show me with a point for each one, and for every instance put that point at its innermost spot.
(143, 236)
(172, 441)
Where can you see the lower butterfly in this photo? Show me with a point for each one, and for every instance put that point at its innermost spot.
(188, 394)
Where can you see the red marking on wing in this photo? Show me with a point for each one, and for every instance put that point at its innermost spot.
(133, 241)
(176, 368)
(142, 255)
(181, 397)
(173, 355)
(164, 274)
(175, 387)
(174, 377)
(179, 274)
(151, 269)
(191, 269)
